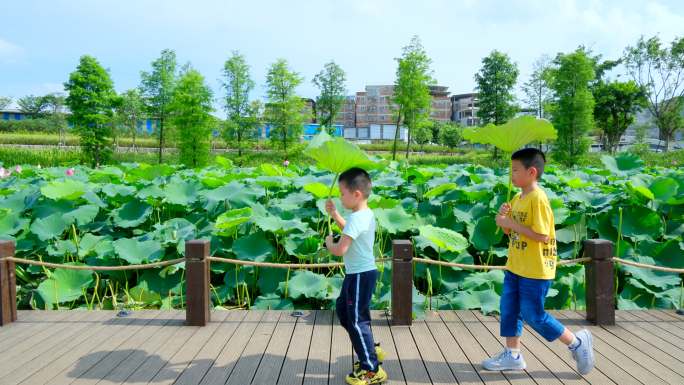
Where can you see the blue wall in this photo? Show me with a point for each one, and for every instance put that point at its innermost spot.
(311, 129)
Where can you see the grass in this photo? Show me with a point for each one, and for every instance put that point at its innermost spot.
(269, 152)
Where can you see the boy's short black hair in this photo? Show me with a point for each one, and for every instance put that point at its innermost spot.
(357, 179)
(531, 157)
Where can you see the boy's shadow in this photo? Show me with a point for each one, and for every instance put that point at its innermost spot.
(139, 366)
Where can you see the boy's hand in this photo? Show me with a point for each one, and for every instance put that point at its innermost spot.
(505, 209)
(329, 241)
(504, 221)
(330, 207)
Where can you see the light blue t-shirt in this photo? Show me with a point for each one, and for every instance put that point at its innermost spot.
(360, 227)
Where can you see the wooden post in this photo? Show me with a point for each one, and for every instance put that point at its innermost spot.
(197, 283)
(402, 282)
(599, 278)
(8, 284)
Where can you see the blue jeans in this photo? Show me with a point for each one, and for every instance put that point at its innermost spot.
(353, 311)
(523, 300)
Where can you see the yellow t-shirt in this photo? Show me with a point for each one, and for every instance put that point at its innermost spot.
(526, 257)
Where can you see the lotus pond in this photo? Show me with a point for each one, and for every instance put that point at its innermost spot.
(139, 213)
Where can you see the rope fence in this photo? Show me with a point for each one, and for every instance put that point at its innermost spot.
(597, 254)
(426, 261)
(95, 268)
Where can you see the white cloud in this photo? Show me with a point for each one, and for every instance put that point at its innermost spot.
(10, 53)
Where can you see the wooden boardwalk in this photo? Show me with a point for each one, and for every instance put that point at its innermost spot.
(272, 347)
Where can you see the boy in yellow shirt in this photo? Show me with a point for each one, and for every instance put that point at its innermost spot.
(528, 221)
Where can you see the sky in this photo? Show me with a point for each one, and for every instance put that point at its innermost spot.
(41, 41)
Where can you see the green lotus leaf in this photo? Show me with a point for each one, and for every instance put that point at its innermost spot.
(445, 239)
(68, 189)
(512, 135)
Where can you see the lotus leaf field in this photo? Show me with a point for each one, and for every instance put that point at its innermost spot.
(138, 213)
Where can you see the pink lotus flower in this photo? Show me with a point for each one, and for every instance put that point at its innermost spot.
(286, 163)
(2, 172)
(70, 172)
(18, 169)
(39, 167)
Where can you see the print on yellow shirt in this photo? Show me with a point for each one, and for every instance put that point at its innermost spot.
(527, 257)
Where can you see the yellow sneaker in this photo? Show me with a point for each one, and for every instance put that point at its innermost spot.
(364, 377)
(379, 353)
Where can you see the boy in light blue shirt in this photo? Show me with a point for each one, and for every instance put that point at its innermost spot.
(356, 246)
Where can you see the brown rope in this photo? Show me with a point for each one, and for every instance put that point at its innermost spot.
(647, 266)
(563, 262)
(488, 267)
(284, 265)
(459, 265)
(95, 268)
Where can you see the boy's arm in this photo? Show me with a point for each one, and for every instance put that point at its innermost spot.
(339, 219)
(340, 248)
(528, 232)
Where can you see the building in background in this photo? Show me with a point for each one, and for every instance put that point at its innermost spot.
(374, 117)
(464, 109)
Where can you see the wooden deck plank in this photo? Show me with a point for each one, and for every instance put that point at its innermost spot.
(125, 369)
(409, 356)
(225, 362)
(672, 314)
(81, 357)
(535, 368)
(461, 366)
(606, 354)
(471, 348)
(383, 335)
(247, 365)
(491, 345)
(185, 357)
(648, 354)
(318, 362)
(23, 366)
(271, 347)
(558, 353)
(295, 359)
(194, 373)
(28, 323)
(156, 363)
(113, 358)
(652, 336)
(274, 356)
(341, 355)
(40, 332)
(437, 367)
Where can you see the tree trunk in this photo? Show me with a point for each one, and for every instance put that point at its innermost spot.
(161, 137)
(396, 136)
(408, 141)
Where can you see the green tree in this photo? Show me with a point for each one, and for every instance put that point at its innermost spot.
(423, 132)
(5, 101)
(284, 107)
(495, 83)
(54, 105)
(237, 84)
(536, 89)
(157, 89)
(451, 135)
(412, 90)
(329, 103)
(190, 115)
(33, 106)
(616, 104)
(660, 72)
(573, 105)
(249, 128)
(90, 99)
(130, 110)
